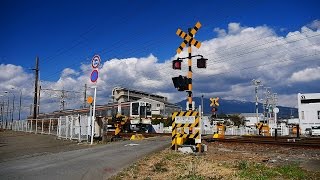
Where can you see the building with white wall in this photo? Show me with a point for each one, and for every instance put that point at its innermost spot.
(121, 94)
(159, 104)
(309, 110)
(251, 118)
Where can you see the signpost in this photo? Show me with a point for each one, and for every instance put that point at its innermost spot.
(94, 76)
(95, 62)
(185, 119)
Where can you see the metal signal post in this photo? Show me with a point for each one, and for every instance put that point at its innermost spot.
(188, 39)
(95, 62)
(184, 83)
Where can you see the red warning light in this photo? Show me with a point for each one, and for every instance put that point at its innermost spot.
(176, 64)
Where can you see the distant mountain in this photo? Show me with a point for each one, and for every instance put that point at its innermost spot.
(236, 106)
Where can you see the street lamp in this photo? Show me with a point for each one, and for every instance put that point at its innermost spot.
(7, 117)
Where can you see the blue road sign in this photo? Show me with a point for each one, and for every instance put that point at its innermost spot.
(94, 76)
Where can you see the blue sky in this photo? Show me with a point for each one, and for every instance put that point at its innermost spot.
(275, 41)
(65, 33)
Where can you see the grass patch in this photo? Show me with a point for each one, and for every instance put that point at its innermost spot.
(263, 172)
(172, 155)
(192, 177)
(292, 171)
(159, 167)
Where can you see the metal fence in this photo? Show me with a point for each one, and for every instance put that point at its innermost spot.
(75, 127)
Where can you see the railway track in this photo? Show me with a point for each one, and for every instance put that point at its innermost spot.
(283, 141)
(280, 140)
(128, 135)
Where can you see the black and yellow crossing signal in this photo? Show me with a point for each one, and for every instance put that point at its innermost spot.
(176, 64)
(188, 37)
(202, 63)
(188, 40)
(180, 83)
(214, 101)
(214, 109)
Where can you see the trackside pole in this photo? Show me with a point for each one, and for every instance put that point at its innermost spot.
(93, 113)
(90, 120)
(199, 143)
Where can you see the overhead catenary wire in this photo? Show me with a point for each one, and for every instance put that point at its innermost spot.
(210, 62)
(168, 69)
(103, 51)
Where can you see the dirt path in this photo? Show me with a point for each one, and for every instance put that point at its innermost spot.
(16, 145)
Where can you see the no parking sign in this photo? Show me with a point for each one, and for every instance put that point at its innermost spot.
(95, 62)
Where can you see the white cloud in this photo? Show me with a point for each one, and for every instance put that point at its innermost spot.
(68, 72)
(306, 75)
(315, 24)
(220, 32)
(16, 81)
(234, 28)
(290, 100)
(238, 55)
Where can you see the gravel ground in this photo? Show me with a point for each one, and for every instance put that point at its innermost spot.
(309, 158)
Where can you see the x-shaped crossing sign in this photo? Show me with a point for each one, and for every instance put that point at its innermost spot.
(188, 38)
(214, 101)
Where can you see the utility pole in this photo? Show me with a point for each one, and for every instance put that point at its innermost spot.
(62, 100)
(62, 96)
(85, 96)
(7, 112)
(202, 105)
(20, 104)
(38, 106)
(256, 83)
(35, 99)
(12, 109)
(2, 105)
(267, 103)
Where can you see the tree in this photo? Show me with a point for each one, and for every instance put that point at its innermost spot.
(237, 120)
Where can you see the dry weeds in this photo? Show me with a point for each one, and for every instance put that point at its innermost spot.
(220, 162)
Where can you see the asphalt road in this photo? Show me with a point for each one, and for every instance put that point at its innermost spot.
(98, 162)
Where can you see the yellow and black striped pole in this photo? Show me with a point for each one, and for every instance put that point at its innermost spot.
(190, 73)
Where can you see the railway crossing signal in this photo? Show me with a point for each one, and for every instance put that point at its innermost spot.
(183, 83)
(176, 64)
(214, 104)
(214, 101)
(180, 82)
(188, 38)
(181, 120)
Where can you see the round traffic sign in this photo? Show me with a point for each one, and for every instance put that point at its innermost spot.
(276, 110)
(89, 99)
(95, 62)
(94, 75)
